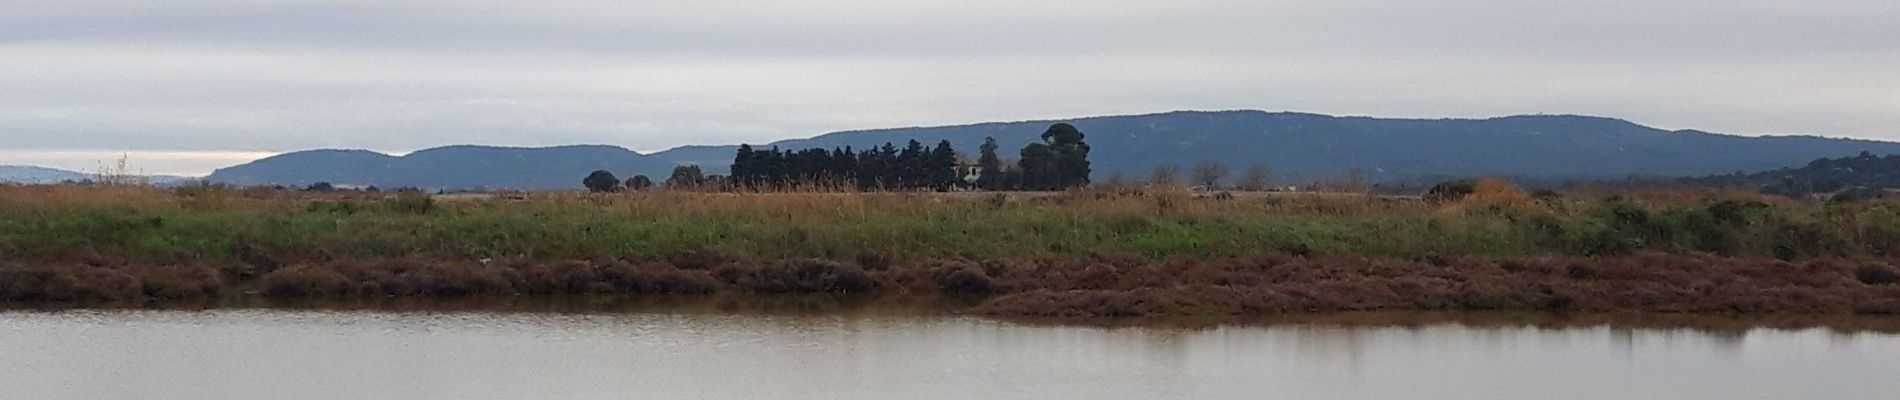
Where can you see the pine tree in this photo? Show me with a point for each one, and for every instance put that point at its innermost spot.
(1059, 161)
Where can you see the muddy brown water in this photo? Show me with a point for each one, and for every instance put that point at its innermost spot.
(719, 353)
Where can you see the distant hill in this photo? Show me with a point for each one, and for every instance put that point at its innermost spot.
(27, 174)
(451, 167)
(31, 174)
(1865, 173)
(1304, 147)
(1297, 147)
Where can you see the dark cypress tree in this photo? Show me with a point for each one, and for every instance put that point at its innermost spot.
(942, 167)
(867, 171)
(743, 166)
(817, 166)
(844, 169)
(990, 166)
(911, 171)
(888, 168)
(796, 165)
(775, 167)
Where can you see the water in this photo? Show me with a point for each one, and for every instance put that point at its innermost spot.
(306, 354)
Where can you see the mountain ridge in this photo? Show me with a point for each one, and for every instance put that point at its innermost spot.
(445, 167)
(1861, 175)
(1298, 147)
(30, 174)
(33, 174)
(1365, 150)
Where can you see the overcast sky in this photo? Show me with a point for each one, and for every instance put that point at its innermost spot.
(187, 86)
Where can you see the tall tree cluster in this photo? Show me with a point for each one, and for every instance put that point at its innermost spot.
(601, 181)
(1059, 161)
(915, 166)
(687, 176)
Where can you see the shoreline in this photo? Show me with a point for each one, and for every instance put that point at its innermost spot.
(1091, 287)
(1104, 253)
(913, 306)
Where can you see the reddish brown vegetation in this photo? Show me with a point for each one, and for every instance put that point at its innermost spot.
(176, 282)
(99, 283)
(797, 276)
(1877, 274)
(425, 278)
(1093, 286)
(66, 283)
(1279, 284)
(1107, 285)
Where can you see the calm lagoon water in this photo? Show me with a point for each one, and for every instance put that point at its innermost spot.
(355, 354)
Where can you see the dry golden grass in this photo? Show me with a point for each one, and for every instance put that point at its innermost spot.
(1498, 193)
(822, 203)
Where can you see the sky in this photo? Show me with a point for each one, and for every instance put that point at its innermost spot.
(183, 87)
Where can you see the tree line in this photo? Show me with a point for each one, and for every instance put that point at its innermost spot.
(1058, 161)
(885, 167)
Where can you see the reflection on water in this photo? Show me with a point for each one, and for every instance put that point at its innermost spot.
(357, 354)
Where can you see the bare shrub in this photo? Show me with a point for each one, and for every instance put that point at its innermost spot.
(66, 283)
(963, 278)
(797, 276)
(656, 278)
(1580, 271)
(177, 282)
(683, 282)
(1877, 274)
(706, 258)
(305, 280)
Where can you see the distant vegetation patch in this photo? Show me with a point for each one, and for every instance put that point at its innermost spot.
(1108, 250)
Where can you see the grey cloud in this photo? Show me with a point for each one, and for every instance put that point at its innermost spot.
(396, 76)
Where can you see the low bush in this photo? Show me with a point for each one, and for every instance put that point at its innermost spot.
(1877, 274)
(796, 276)
(305, 281)
(1450, 191)
(963, 278)
(67, 283)
(177, 282)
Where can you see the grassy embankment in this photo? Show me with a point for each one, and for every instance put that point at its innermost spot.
(1083, 253)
